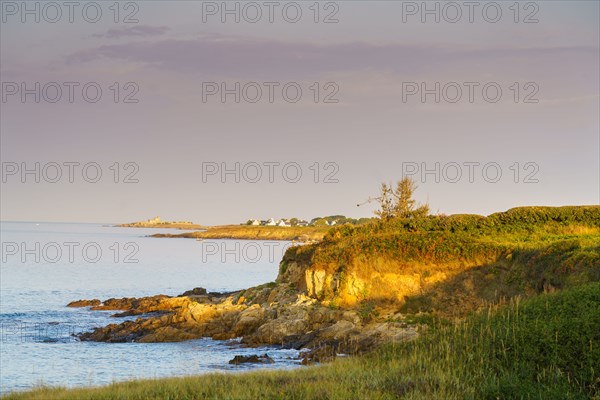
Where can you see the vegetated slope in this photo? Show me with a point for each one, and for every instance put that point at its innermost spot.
(452, 264)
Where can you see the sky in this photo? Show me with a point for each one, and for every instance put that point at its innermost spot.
(218, 112)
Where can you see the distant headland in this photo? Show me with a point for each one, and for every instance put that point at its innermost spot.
(157, 222)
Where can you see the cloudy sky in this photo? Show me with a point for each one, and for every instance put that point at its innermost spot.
(219, 112)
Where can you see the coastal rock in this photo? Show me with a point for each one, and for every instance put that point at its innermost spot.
(290, 271)
(169, 319)
(274, 332)
(199, 291)
(84, 303)
(341, 329)
(253, 359)
(167, 334)
(322, 353)
(299, 342)
(144, 304)
(317, 281)
(276, 315)
(113, 333)
(249, 320)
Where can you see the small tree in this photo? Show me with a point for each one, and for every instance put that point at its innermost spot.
(386, 202)
(403, 196)
(399, 202)
(319, 222)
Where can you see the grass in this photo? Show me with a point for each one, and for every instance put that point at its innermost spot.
(545, 347)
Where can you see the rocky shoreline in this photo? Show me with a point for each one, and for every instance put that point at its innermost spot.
(272, 314)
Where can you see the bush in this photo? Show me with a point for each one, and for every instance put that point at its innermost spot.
(515, 220)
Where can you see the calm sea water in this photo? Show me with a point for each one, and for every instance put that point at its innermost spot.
(47, 265)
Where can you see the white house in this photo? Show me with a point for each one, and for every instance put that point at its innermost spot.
(271, 222)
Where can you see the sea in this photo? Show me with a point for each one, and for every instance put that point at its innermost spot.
(47, 265)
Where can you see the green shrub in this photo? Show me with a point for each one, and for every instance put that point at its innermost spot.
(515, 220)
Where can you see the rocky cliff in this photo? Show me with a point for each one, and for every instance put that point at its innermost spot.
(348, 283)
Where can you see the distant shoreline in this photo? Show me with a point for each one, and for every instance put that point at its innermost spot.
(158, 223)
(250, 232)
(162, 225)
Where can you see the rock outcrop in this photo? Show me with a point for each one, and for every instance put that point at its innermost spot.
(265, 315)
(199, 291)
(85, 303)
(253, 359)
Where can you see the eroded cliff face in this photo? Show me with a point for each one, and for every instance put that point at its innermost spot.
(362, 280)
